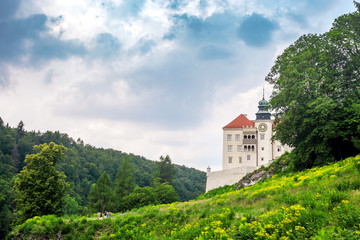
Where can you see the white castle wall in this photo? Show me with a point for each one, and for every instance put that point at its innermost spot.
(226, 177)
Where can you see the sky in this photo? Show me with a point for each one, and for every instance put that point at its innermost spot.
(148, 77)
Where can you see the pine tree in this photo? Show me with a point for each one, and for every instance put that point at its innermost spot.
(166, 170)
(101, 195)
(125, 181)
(40, 188)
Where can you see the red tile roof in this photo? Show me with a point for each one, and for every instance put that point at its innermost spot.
(240, 122)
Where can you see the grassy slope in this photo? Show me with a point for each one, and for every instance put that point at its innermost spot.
(320, 203)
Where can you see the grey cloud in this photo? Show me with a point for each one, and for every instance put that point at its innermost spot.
(29, 36)
(212, 51)
(106, 45)
(256, 30)
(4, 76)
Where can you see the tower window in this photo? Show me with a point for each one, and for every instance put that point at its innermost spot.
(240, 159)
(229, 148)
(228, 137)
(252, 148)
(245, 137)
(230, 159)
(262, 159)
(262, 148)
(253, 136)
(262, 136)
(245, 148)
(248, 157)
(279, 148)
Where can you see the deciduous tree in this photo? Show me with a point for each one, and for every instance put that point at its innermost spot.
(316, 84)
(40, 188)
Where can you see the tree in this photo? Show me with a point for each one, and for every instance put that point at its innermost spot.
(164, 192)
(158, 193)
(357, 5)
(125, 181)
(316, 94)
(166, 170)
(20, 131)
(101, 195)
(40, 188)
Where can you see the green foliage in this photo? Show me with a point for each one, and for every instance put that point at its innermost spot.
(166, 170)
(159, 193)
(315, 94)
(101, 195)
(40, 188)
(217, 191)
(83, 165)
(164, 193)
(71, 206)
(124, 183)
(301, 205)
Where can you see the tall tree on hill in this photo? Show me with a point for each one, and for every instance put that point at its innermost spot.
(316, 94)
(40, 188)
(165, 171)
(125, 181)
(357, 5)
(20, 131)
(101, 196)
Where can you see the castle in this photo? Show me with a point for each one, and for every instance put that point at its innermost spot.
(247, 145)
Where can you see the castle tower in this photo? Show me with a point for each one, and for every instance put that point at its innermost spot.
(263, 124)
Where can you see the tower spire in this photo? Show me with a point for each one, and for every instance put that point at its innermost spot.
(263, 93)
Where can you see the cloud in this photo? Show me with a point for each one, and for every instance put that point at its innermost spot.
(106, 45)
(256, 30)
(151, 77)
(217, 28)
(211, 51)
(8, 8)
(28, 41)
(4, 76)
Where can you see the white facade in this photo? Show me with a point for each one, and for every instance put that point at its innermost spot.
(247, 145)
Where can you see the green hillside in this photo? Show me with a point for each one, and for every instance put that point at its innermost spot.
(83, 165)
(319, 203)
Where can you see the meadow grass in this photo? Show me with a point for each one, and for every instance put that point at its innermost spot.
(319, 203)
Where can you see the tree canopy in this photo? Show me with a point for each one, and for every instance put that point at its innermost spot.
(166, 170)
(101, 195)
(40, 188)
(316, 89)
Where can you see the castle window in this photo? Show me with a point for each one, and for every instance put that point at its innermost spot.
(228, 137)
(230, 159)
(248, 157)
(237, 137)
(279, 148)
(239, 148)
(229, 148)
(240, 159)
(262, 136)
(262, 148)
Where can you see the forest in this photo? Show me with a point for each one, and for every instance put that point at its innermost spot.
(84, 165)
